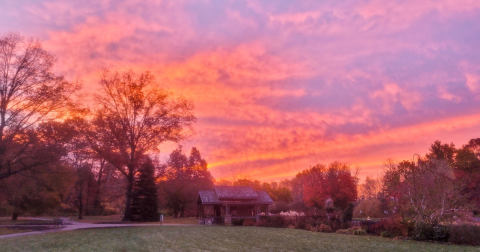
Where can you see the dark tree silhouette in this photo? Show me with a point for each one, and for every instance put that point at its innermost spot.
(145, 198)
(441, 151)
(183, 179)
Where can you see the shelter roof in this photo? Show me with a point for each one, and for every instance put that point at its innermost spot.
(234, 195)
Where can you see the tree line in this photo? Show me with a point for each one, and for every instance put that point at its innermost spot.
(54, 148)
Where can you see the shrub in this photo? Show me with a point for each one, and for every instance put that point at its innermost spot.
(261, 223)
(249, 222)
(385, 234)
(366, 225)
(301, 223)
(347, 215)
(345, 225)
(324, 229)
(237, 222)
(359, 232)
(430, 231)
(465, 234)
(272, 221)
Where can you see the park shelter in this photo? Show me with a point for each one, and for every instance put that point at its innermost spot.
(225, 203)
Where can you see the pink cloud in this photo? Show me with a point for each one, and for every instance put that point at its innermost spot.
(279, 86)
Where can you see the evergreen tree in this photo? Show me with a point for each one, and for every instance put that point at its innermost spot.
(145, 199)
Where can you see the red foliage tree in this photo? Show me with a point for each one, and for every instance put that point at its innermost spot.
(335, 182)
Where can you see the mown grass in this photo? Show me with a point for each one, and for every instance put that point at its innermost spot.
(5, 231)
(212, 238)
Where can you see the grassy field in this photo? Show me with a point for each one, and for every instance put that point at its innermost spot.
(118, 218)
(5, 231)
(212, 238)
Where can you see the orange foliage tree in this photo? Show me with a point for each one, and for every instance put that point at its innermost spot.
(335, 182)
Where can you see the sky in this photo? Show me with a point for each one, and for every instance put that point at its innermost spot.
(280, 86)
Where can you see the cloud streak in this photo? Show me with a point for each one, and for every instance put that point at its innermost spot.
(279, 86)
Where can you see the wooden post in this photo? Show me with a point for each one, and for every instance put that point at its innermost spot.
(228, 217)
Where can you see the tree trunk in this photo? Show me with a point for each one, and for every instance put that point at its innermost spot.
(96, 201)
(80, 210)
(80, 205)
(87, 213)
(14, 216)
(128, 216)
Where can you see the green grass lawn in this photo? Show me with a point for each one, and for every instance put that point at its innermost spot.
(212, 238)
(5, 231)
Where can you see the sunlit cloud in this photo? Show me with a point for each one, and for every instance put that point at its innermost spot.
(279, 86)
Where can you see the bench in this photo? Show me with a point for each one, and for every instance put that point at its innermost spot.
(58, 223)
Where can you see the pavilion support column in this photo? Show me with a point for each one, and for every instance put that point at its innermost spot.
(228, 216)
(257, 212)
(266, 210)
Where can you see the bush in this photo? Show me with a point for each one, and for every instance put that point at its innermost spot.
(385, 234)
(249, 222)
(347, 215)
(359, 232)
(345, 225)
(430, 231)
(349, 231)
(301, 223)
(272, 221)
(465, 234)
(237, 222)
(324, 229)
(366, 225)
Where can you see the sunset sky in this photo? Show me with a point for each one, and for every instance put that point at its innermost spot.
(281, 85)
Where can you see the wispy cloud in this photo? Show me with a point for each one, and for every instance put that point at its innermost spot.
(282, 85)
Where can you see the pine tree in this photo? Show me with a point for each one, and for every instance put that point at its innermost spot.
(145, 199)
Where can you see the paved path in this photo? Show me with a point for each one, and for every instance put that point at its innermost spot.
(80, 225)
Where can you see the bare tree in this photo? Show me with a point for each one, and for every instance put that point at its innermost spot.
(29, 94)
(133, 117)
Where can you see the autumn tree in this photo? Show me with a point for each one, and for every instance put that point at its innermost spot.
(37, 192)
(80, 190)
(370, 188)
(133, 117)
(467, 171)
(278, 193)
(426, 189)
(439, 151)
(335, 182)
(30, 93)
(183, 179)
(88, 166)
